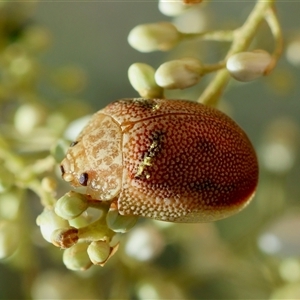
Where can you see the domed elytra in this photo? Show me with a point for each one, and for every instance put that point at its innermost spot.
(172, 160)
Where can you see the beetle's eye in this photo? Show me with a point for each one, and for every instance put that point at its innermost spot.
(73, 143)
(83, 179)
(62, 169)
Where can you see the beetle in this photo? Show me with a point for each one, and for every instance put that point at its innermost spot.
(170, 160)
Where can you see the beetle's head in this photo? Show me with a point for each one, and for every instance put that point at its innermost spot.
(94, 160)
(73, 167)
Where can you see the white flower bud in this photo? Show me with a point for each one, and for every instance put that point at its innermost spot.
(141, 77)
(28, 116)
(157, 36)
(179, 74)
(98, 252)
(65, 237)
(293, 52)
(247, 66)
(171, 8)
(49, 221)
(71, 205)
(119, 223)
(9, 238)
(49, 184)
(59, 150)
(144, 243)
(76, 258)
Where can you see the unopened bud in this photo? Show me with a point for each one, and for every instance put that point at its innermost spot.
(59, 150)
(71, 205)
(157, 36)
(171, 8)
(49, 221)
(76, 258)
(141, 77)
(64, 237)
(179, 74)
(99, 252)
(247, 66)
(293, 52)
(119, 223)
(49, 184)
(9, 238)
(28, 116)
(144, 243)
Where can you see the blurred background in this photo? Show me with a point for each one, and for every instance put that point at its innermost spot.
(60, 61)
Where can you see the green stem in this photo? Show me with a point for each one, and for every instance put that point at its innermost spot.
(242, 39)
(218, 35)
(213, 67)
(96, 231)
(272, 20)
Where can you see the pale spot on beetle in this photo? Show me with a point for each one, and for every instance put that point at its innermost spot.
(167, 201)
(152, 151)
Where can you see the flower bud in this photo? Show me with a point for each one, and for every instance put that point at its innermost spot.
(76, 258)
(119, 223)
(49, 184)
(28, 117)
(65, 237)
(247, 66)
(71, 205)
(144, 243)
(293, 52)
(9, 238)
(141, 77)
(171, 8)
(49, 221)
(98, 252)
(179, 74)
(157, 36)
(59, 150)
(10, 204)
(81, 221)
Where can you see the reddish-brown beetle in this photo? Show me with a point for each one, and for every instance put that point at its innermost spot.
(171, 160)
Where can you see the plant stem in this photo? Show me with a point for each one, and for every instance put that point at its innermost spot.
(242, 39)
(272, 20)
(219, 35)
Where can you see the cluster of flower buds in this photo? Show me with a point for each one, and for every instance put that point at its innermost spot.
(176, 74)
(241, 64)
(87, 237)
